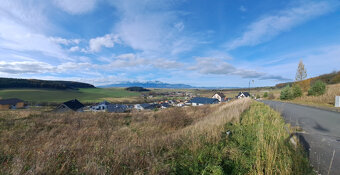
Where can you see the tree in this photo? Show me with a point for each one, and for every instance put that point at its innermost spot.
(301, 72)
(286, 93)
(296, 90)
(318, 88)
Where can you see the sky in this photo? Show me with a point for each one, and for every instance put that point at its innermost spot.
(225, 43)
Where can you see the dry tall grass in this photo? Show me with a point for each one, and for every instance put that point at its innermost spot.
(326, 99)
(33, 142)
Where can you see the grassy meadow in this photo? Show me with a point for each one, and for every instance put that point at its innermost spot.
(191, 140)
(83, 94)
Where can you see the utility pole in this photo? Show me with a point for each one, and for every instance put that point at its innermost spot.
(249, 85)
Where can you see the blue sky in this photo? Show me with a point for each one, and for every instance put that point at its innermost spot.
(200, 43)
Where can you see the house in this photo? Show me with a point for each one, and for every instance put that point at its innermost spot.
(198, 101)
(11, 103)
(180, 104)
(100, 106)
(72, 105)
(243, 95)
(219, 96)
(164, 105)
(146, 106)
(117, 108)
(142, 106)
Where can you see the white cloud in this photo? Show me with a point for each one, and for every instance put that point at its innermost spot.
(270, 26)
(26, 67)
(74, 49)
(108, 41)
(179, 26)
(216, 66)
(152, 27)
(76, 6)
(64, 41)
(22, 25)
(243, 9)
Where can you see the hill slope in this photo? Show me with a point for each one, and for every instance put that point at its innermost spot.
(331, 78)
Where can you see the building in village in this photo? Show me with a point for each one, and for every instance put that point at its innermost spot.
(72, 105)
(219, 96)
(145, 106)
(119, 108)
(243, 95)
(102, 106)
(198, 101)
(12, 103)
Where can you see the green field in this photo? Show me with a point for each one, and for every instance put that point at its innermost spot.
(56, 96)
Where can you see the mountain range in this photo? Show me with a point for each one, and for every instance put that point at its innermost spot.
(148, 84)
(159, 84)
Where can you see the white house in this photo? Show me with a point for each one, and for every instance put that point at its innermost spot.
(100, 106)
(219, 96)
(243, 95)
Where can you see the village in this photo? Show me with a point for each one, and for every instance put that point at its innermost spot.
(105, 106)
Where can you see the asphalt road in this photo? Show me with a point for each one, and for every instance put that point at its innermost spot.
(321, 135)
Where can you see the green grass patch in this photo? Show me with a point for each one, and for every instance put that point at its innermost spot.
(51, 95)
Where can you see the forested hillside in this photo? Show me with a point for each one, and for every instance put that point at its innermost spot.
(32, 83)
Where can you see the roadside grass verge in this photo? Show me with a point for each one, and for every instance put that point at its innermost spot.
(257, 143)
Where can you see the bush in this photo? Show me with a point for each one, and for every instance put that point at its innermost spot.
(286, 93)
(318, 88)
(258, 96)
(297, 91)
(271, 96)
(265, 95)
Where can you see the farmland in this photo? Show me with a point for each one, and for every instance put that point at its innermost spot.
(57, 96)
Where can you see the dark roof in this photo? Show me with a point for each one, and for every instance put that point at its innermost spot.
(203, 100)
(244, 93)
(104, 103)
(10, 101)
(221, 94)
(74, 104)
(166, 105)
(145, 105)
(116, 108)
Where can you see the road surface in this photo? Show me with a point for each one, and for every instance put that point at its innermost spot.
(321, 136)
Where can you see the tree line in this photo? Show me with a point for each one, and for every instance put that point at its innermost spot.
(47, 84)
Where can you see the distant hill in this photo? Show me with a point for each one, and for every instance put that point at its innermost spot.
(331, 78)
(46, 84)
(149, 84)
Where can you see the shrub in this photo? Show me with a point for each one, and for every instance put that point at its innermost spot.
(297, 91)
(318, 88)
(265, 95)
(286, 93)
(258, 96)
(271, 96)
